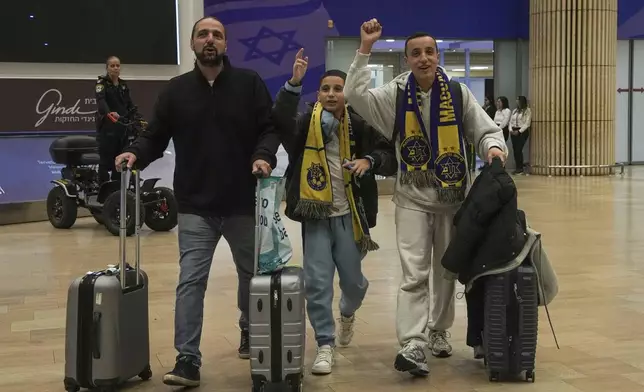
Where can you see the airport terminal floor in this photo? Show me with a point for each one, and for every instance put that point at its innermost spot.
(592, 230)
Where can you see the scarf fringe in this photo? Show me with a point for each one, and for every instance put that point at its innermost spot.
(366, 244)
(419, 179)
(451, 195)
(314, 209)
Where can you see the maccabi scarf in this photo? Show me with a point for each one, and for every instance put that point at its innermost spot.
(435, 158)
(316, 194)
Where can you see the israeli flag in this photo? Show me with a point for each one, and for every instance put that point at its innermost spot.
(265, 35)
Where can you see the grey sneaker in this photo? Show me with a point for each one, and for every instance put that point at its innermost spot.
(439, 345)
(346, 330)
(479, 352)
(411, 359)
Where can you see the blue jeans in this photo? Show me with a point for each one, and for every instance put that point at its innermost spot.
(329, 244)
(198, 238)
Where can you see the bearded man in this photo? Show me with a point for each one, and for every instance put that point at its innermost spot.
(219, 118)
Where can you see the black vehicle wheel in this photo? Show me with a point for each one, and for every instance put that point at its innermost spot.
(146, 374)
(98, 215)
(112, 213)
(161, 215)
(61, 209)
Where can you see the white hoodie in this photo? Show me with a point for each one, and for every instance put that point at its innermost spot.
(378, 107)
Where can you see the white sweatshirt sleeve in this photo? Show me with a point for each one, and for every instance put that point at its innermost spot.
(527, 120)
(376, 105)
(479, 127)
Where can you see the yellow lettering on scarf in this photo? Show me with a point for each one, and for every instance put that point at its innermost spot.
(446, 105)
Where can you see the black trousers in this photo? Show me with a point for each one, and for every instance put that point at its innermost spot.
(518, 142)
(506, 133)
(111, 143)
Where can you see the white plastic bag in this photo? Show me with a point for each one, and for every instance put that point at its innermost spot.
(275, 248)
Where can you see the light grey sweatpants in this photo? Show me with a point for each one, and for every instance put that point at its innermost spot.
(329, 244)
(419, 234)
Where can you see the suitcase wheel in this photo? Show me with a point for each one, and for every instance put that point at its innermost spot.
(494, 376)
(146, 374)
(71, 386)
(529, 376)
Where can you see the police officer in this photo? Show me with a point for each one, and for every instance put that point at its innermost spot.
(113, 100)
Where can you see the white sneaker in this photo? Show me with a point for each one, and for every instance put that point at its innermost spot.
(323, 361)
(346, 330)
(439, 345)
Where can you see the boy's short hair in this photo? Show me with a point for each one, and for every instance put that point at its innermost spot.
(420, 34)
(334, 72)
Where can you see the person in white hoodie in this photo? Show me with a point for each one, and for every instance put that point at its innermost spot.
(431, 119)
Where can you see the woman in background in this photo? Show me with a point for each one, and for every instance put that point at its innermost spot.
(488, 107)
(520, 121)
(502, 116)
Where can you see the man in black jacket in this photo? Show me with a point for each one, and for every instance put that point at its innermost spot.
(331, 189)
(219, 119)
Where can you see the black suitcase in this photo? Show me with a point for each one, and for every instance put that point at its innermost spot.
(511, 323)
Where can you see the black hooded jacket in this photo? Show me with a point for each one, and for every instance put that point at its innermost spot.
(490, 229)
(293, 127)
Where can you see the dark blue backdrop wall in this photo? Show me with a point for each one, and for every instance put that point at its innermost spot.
(264, 35)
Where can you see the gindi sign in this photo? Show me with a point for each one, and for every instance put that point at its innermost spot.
(63, 104)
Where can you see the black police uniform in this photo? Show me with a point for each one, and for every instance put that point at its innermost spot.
(112, 137)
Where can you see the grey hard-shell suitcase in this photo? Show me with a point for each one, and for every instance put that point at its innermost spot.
(511, 323)
(107, 336)
(277, 327)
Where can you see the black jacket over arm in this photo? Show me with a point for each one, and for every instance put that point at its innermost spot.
(293, 128)
(490, 229)
(218, 131)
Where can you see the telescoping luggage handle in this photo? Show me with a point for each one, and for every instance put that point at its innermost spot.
(258, 204)
(125, 182)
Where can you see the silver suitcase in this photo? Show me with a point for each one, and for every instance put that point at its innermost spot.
(107, 338)
(277, 325)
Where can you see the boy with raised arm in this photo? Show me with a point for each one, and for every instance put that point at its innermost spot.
(331, 190)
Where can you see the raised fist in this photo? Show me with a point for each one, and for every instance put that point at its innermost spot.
(299, 67)
(370, 31)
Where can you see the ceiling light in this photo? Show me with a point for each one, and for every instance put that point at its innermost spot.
(390, 40)
(390, 66)
(478, 68)
(391, 50)
(458, 69)
(438, 41)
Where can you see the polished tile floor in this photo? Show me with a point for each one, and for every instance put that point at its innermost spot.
(593, 229)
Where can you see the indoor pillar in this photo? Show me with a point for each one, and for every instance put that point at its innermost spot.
(572, 83)
(190, 11)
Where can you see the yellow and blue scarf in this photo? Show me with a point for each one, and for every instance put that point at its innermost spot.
(435, 158)
(316, 194)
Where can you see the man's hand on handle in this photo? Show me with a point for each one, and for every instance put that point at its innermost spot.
(496, 152)
(125, 157)
(370, 33)
(261, 168)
